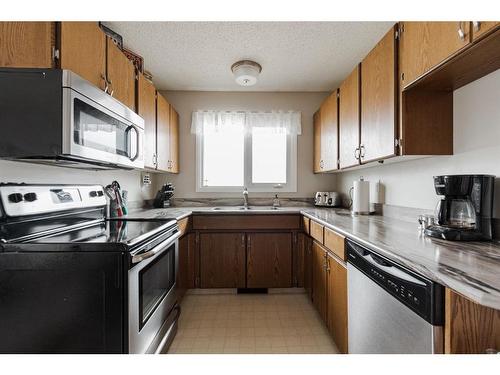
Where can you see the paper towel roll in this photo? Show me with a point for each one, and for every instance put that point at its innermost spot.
(361, 197)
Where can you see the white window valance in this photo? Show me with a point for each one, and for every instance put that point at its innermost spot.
(214, 121)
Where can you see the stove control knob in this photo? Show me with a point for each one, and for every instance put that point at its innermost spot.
(100, 193)
(15, 197)
(30, 197)
(93, 194)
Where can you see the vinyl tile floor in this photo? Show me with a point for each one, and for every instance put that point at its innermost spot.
(250, 324)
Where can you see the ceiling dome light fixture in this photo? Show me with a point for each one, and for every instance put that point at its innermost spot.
(246, 72)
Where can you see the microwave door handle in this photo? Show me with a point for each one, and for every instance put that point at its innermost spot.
(157, 249)
(130, 128)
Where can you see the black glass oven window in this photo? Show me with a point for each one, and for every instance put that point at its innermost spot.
(95, 129)
(155, 281)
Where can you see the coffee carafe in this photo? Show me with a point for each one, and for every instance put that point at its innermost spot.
(464, 213)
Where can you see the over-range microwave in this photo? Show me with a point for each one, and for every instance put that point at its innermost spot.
(54, 116)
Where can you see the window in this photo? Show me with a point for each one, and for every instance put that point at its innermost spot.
(234, 152)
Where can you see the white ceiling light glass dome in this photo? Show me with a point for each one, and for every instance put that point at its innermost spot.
(246, 72)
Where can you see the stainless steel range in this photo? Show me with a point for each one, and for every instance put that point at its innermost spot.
(73, 281)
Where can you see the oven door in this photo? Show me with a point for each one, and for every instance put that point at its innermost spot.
(92, 131)
(152, 292)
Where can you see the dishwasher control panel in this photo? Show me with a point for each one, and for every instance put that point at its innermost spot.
(423, 296)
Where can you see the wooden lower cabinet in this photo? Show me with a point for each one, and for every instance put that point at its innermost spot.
(337, 302)
(222, 260)
(308, 265)
(469, 328)
(319, 282)
(269, 260)
(186, 276)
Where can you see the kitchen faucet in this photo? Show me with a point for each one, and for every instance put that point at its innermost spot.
(245, 197)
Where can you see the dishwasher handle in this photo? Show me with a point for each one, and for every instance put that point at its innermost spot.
(384, 265)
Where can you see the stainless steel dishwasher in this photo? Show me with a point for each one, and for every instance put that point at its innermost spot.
(391, 309)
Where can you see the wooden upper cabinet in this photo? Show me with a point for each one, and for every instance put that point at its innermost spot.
(121, 75)
(337, 302)
(329, 133)
(27, 44)
(269, 260)
(378, 100)
(162, 133)
(319, 255)
(480, 28)
(222, 260)
(317, 162)
(83, 51)
(424, 45)
(174, 141)
(146, 108)
(349, 118)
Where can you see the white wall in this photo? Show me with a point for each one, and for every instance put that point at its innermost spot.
(188, 101)
(33, 173)
(476, 121)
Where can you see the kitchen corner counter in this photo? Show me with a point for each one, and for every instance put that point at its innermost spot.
(469, 268)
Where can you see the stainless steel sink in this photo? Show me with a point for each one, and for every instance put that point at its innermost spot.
(242, 208)
(239, 208)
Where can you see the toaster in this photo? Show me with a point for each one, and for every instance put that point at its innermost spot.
(327, 199)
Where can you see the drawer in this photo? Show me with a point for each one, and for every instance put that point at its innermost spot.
(335, 243)
(183, 226)
(246, 222)
(305, 224)
(316, 231)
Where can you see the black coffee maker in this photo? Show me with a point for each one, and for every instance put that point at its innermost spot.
(465, 211)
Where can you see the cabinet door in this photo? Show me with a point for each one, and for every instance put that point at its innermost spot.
(299, 259)
(308, 265)
(319, 278)
(269, 260)
(349, 120)
(222, 260)
(27, 44)
(337, 302)
(187, 274)
(317, 163)
(469, 328)
(329, 133)
(146, 108)
(162, 133)
(480, 28)
(83, 51)
(121, 75)
(174, 141)
(378, 100)
(424, 45)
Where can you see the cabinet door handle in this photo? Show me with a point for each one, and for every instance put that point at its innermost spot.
(243, 240)
(461, 32)
(106, 83)
(476, 25)
(356, 153)
(362, 151)
(321, 164)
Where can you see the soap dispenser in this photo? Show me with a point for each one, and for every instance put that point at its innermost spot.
(276, 201)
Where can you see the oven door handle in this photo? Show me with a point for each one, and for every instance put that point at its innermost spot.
(157, 249)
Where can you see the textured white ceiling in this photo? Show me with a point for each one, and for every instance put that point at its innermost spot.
(295, 56)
